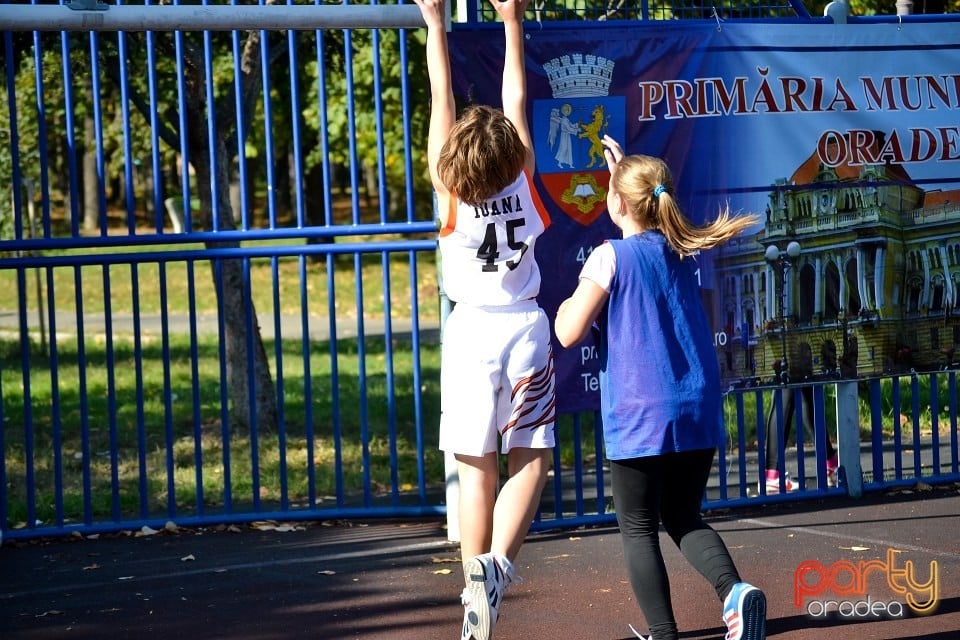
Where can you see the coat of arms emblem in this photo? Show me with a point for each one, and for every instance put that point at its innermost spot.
(568, 129)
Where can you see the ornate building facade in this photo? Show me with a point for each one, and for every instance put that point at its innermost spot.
(875, 287)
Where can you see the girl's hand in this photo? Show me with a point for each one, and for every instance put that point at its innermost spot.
(510, 10)
(433, 13)
(612, 151)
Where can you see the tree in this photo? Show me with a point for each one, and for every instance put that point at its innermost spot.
(211, 164)
(233, 289)
(367, 54)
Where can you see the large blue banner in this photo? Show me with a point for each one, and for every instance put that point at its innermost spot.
(842, 138)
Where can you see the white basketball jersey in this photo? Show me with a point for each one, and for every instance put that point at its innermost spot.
(487, 251)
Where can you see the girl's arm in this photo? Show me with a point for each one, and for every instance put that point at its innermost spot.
(578, 312)
(514, 89)
(442, 107)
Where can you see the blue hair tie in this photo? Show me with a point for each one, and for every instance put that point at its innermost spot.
(659, 190)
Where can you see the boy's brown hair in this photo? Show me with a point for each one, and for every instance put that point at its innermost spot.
(482, 156)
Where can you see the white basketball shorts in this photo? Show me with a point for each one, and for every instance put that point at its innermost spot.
(497, 379)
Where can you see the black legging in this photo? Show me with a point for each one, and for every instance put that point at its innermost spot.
(670, 488)
(774, 446)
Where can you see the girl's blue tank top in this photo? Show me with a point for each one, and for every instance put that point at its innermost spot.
(659, 375)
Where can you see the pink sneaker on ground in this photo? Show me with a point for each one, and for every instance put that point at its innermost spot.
(772, 482)
(833, 463)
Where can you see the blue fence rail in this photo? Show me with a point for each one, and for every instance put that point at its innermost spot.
(220, 292)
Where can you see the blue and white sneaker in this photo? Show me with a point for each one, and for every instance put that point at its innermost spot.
(745, 613)
(487, 579)
(465, 633)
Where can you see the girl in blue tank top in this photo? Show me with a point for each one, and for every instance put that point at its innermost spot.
(660, 393)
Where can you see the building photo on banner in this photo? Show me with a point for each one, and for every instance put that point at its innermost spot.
(842, 139)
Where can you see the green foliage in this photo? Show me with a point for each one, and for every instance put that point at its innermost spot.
(919, 391)
(41, 106)
(885, 7)
(103, 440)
(367, 51)
(363, 52)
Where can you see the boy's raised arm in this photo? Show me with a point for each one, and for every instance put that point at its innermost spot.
(514, 90)
(442, 107)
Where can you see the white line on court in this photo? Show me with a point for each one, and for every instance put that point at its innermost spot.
(852, 538)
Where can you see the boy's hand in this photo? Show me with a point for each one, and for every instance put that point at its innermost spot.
(510, 10)
(433, 13)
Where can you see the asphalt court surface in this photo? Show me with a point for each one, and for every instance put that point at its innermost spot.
(401, 580)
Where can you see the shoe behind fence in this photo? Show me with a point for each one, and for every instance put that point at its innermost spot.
(772, 481)
(832, 464)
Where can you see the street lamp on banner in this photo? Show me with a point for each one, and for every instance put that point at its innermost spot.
(781, 261)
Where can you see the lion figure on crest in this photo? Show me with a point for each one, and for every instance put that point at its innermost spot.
(592, 132)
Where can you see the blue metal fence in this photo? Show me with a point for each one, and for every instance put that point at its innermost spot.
(204, 224)
(221, 302)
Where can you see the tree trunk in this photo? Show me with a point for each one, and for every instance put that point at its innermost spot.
(283, 167)
(314, 203)
(91, 185)
(253, 401)
(250, 389)
(236, 194)
(236, 308)
(371, 188)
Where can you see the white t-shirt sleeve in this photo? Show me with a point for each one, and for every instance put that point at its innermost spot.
(600, 266)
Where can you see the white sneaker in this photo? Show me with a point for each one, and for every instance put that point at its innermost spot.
(487, 578)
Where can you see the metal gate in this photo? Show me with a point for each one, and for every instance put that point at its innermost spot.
(221, 301)
(220, 297)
